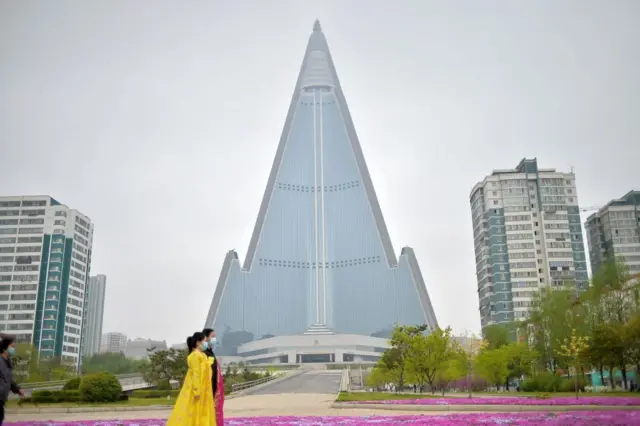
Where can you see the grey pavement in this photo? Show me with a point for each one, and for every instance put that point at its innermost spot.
(245, 406)
(308, 382)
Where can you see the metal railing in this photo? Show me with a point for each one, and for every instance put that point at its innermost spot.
(246, 385)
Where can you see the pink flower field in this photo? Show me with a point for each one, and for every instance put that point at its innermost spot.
(513, 400)
(566, 419)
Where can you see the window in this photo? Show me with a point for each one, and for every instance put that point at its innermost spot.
(30, 212)
(30, 231)
(9, 203)
(31, 221)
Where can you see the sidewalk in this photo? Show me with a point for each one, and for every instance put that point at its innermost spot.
(246, 406)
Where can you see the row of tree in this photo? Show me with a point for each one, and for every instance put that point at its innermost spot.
(568, 333)
(29, 366)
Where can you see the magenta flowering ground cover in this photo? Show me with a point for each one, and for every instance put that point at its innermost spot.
(514, 400)
(596, 418)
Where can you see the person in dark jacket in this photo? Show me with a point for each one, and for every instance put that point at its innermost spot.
(7, 350)
(217, 380)
(210, 337)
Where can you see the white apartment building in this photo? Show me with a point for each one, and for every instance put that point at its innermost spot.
(113, 342)
(527, 235)
(94, 315)
(614, 232)
(45, 258)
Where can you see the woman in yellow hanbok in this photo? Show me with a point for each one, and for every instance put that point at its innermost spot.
(194, 406)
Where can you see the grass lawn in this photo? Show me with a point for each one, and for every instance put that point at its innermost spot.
(132, 402)
(381, 396)
(389, 396)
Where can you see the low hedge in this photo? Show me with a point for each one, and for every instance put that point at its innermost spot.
(155, 393)
(547, 382)
(50, 397)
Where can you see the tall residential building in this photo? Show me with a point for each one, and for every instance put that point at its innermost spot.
(614, 231)
(320, 260)
(45, 257)
(113, 342)
(94, 314)
(527, 235)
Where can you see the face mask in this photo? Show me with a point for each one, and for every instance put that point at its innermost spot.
(205, 346)
(213, 341)
(12, 351)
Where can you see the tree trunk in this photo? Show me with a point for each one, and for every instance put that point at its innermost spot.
(623, 371)
(601, 369)
(611, 379)
(506, 384)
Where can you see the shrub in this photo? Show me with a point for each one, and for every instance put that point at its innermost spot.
(100, 387)
(164, 385)
(569, 385)
(73, 384)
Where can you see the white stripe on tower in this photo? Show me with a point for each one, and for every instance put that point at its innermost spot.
(324, 231)
(315, 207)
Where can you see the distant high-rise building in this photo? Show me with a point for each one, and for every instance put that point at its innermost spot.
(141, 348)
(527, 235)
(94, 314)
(614, 232)
(320, 261)
(45, 258)
(113, 342)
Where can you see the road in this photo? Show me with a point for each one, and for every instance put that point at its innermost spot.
(309, 382)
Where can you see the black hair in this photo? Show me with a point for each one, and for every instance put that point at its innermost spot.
(192, 340)
(207, 331)
(6, 341)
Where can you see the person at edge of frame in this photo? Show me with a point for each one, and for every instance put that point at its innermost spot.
(7, 350)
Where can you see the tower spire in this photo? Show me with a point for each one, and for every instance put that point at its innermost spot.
(316, 25)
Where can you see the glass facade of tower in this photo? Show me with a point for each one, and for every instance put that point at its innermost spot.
(320, 255)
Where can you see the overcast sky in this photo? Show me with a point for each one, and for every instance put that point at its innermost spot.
(160, 119)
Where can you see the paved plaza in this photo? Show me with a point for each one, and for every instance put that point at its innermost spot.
(314, 404)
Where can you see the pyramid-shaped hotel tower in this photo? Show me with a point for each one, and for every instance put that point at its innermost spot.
(320, 261)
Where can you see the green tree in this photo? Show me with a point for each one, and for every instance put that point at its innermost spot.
(552, 317)
(394, 359)
(453, 369)
(429, 354)
(115, 363)
(498, 335)
(167, 365)
(378, 377)
(25, 363)
(575, 348)
(632, 337)
(491, 365)
(520, 360)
